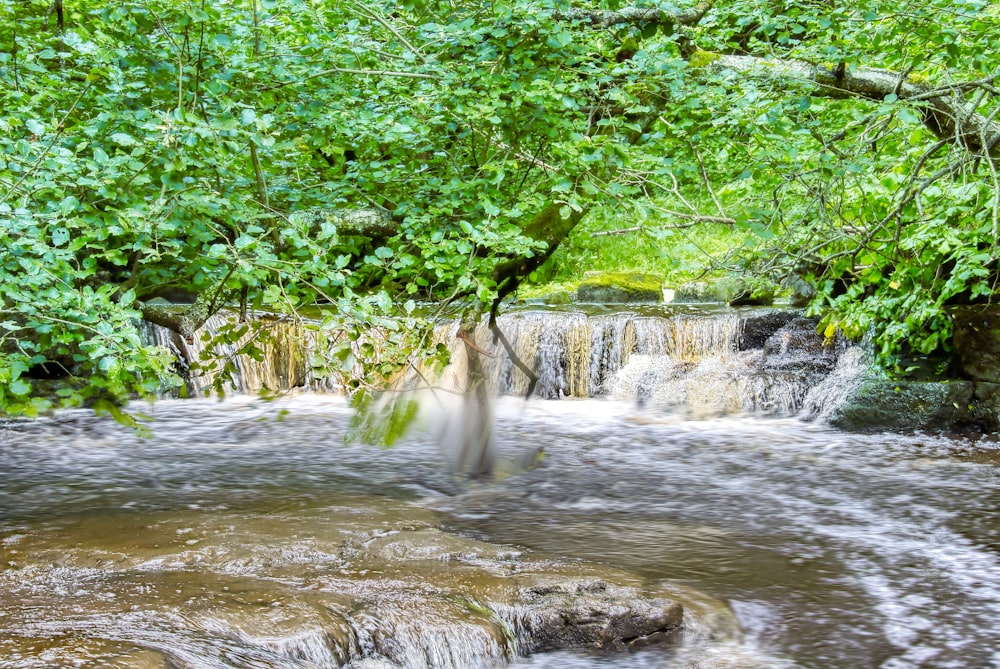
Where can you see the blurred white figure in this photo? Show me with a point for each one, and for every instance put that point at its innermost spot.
(462, 414)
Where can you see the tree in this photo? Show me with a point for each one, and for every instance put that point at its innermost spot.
(366, 156)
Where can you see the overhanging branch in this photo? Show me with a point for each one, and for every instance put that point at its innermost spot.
(371, 222)
(601, 18)
(185, 321)
(946, 114)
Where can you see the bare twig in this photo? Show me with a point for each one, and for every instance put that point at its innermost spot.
(619, 231)
(351, 70)
(374, 15)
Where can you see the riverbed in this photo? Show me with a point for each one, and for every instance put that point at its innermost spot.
(790, 544)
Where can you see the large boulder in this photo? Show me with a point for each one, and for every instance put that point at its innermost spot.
(620, 288)
(884, 404)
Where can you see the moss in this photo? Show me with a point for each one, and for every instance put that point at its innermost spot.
(620, 287)
(625, 280)
(918, 79)
(701, 58)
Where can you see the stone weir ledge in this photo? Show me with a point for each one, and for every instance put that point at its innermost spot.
(378, 587)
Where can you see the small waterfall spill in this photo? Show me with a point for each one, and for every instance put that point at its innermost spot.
(273, 355)
(612, 340)
(731, 362)
(824, 399)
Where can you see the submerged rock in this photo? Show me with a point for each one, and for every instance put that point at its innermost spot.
(514, 606)
(364, 583)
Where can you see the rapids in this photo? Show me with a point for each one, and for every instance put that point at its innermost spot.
(685, 460)
(234, 535)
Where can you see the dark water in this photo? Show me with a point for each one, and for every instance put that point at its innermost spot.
(205, 543)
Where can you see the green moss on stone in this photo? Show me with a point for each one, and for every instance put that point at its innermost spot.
(620, 287)
(702, 58)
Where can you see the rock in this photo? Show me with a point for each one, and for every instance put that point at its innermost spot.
(986, 406)
(800, 291)
(697, 291)
(909, 405)
(556, 297)
(758, 327)
(739, 292)
(620, 288)
(498, 596)
(798, 341)
(591, 613)
(977, 341)
(735, 291)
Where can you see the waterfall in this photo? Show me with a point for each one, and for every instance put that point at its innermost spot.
(759, 362)
(273, 355)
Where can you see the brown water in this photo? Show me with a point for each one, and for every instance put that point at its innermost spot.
(244, 534)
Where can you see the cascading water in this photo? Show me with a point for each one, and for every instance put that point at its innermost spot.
(703, 363)
(246, 535)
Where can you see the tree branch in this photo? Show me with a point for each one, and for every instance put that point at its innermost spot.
(185, 321)
(600, 18)
(371, 222)
(945, 114)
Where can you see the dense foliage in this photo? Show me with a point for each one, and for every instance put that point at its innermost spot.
(149, 147)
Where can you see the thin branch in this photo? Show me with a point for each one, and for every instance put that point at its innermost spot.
(350, 70)
(373, 15)
(619, 231)
(599, 18)
(498, 335)
(708, 182)
(55, 137)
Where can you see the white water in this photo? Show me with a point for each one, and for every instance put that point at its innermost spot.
(826, 549)
(674, 359)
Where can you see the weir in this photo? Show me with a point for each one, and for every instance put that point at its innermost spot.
(761, 362)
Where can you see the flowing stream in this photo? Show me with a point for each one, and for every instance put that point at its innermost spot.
(246, 533)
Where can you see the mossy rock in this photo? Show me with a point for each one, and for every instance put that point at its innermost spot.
(739, 292)
(696, 292)
(556, 298)
(909, 405)
(620, 288)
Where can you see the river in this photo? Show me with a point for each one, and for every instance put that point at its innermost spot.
(224, 538)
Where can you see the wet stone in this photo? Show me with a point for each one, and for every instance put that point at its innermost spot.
(758, 327)
(354, 582)
(575, 614)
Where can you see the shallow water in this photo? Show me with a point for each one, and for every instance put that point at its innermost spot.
(225, 539)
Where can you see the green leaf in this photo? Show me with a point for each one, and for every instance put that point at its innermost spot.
(123, 139)
(19, 388)
(60, 236)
